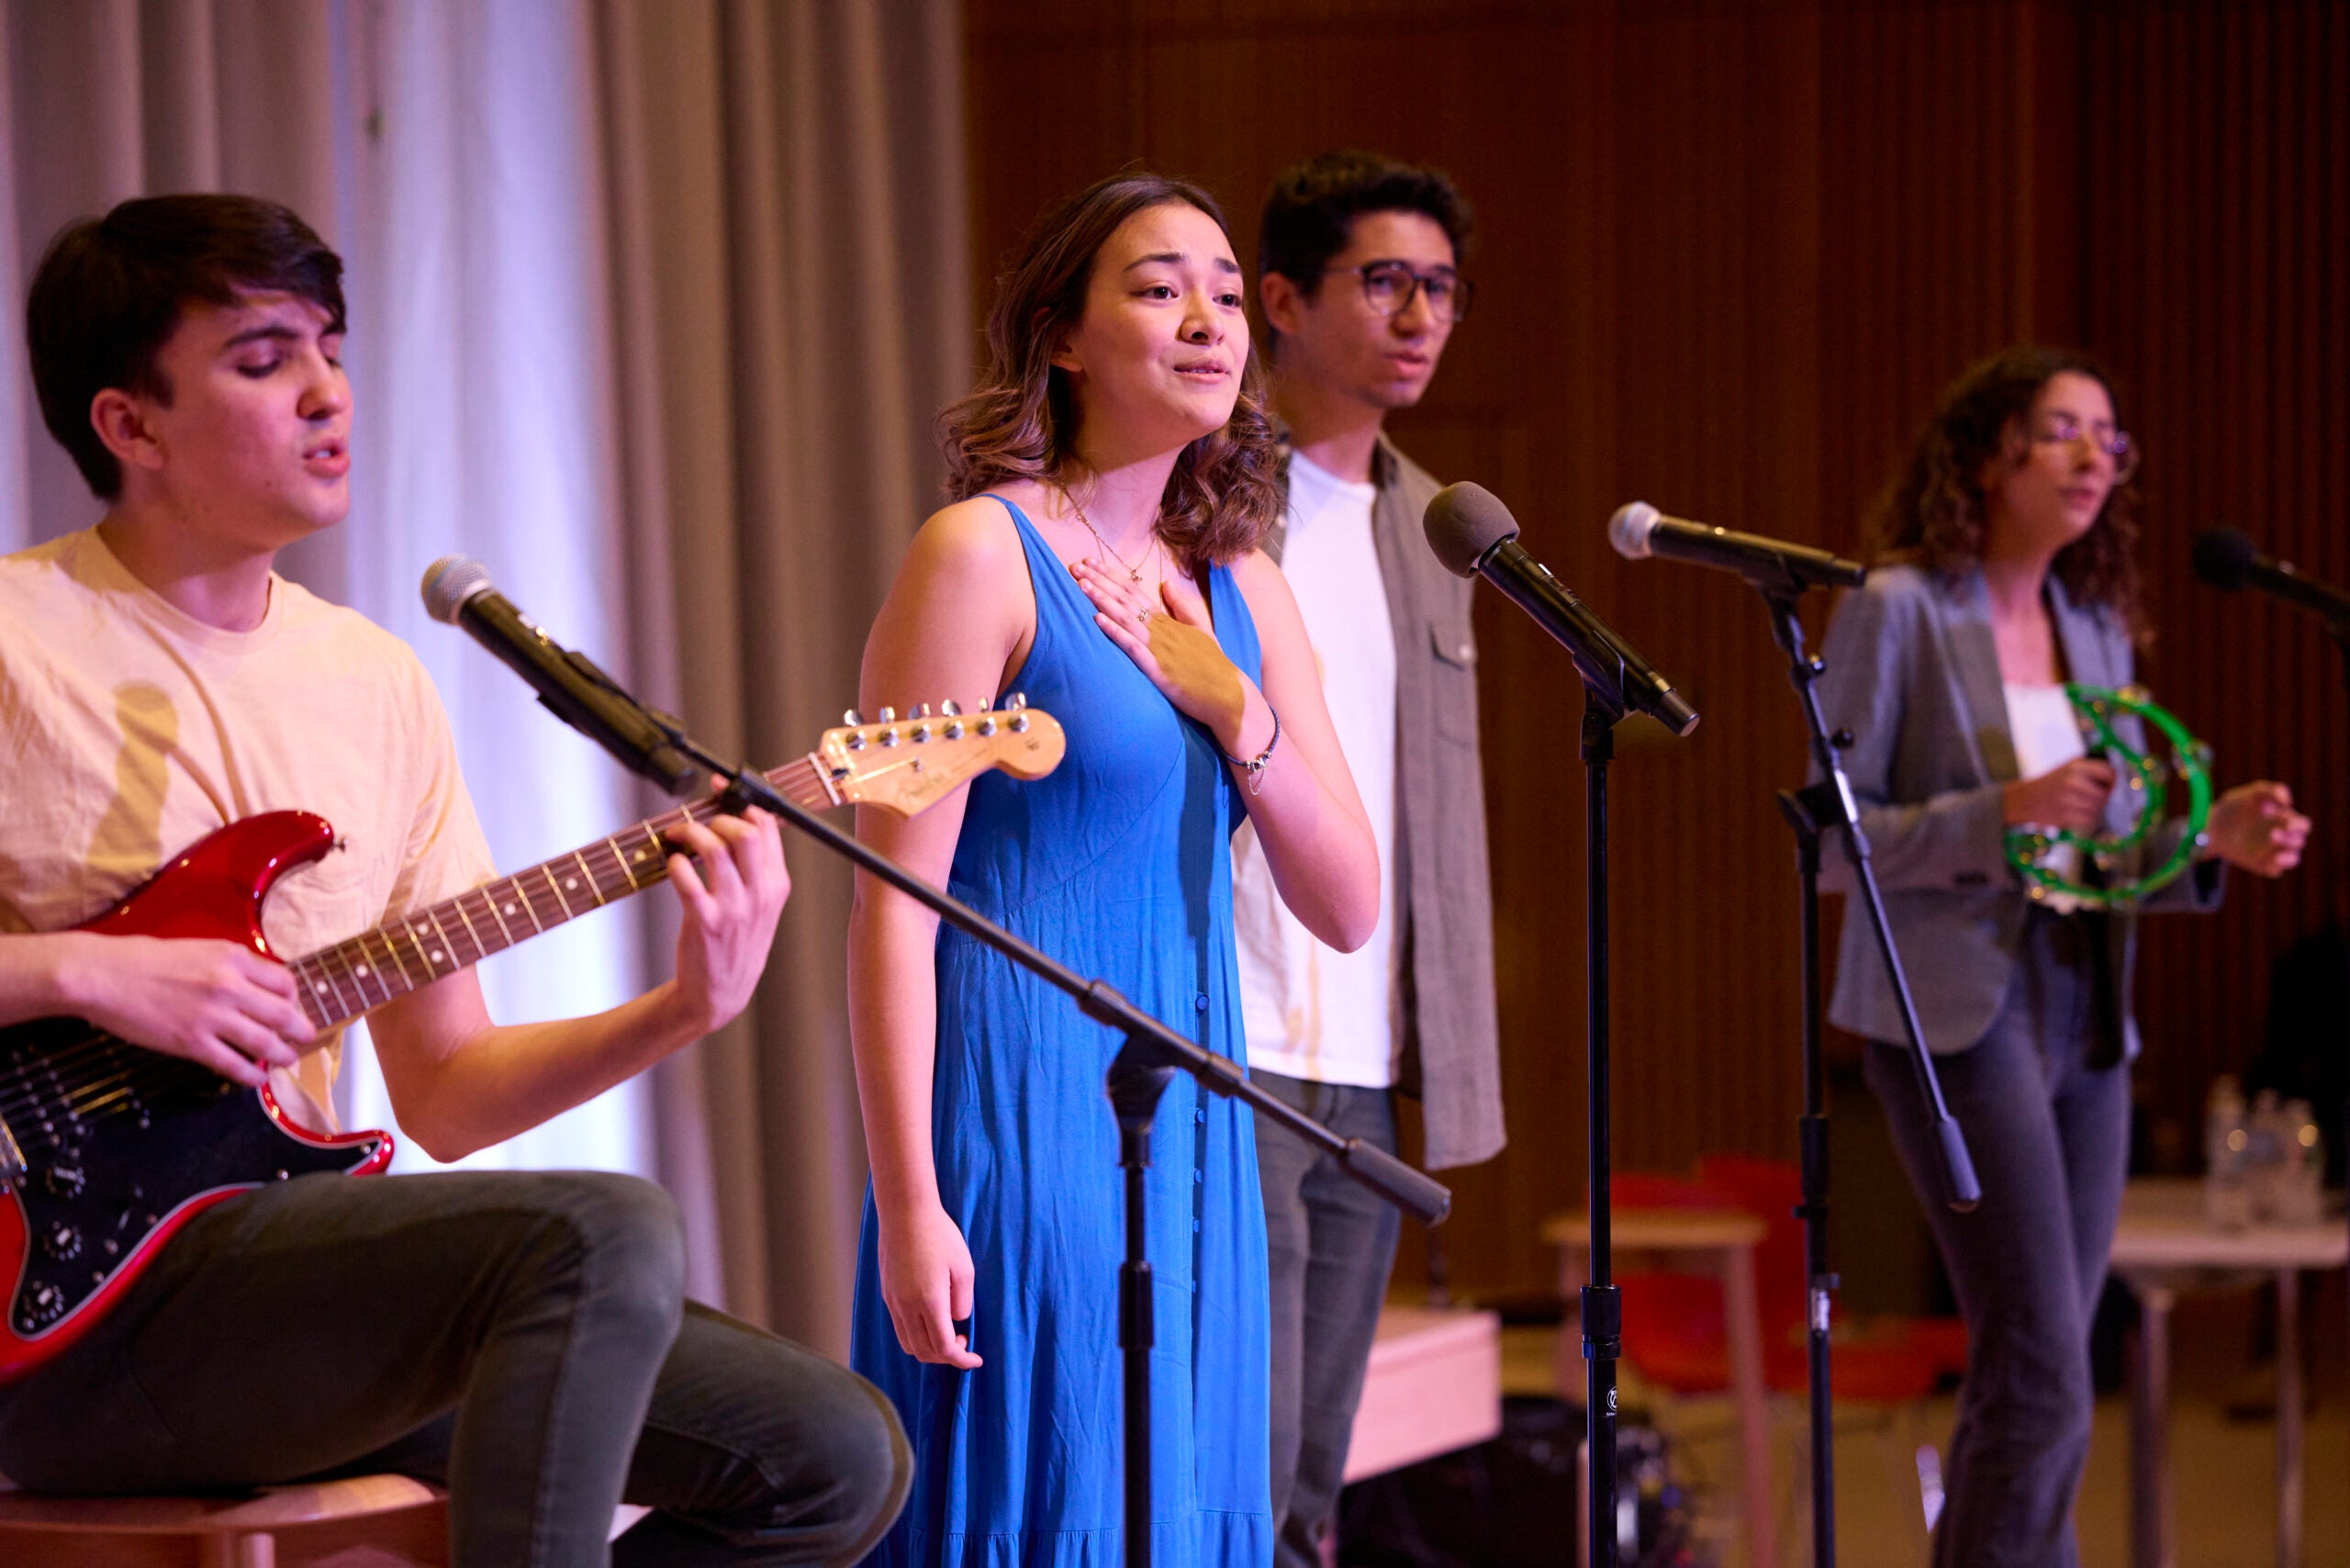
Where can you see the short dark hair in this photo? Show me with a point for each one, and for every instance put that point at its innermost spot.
(110, 292)
(1313, 205)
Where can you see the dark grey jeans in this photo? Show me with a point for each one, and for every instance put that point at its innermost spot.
(522, 1338)
(1329, 1246)
(2050, 1136)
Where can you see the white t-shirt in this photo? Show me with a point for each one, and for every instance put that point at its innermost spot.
(130, 730)
(2047, 734)
(1308, 1010)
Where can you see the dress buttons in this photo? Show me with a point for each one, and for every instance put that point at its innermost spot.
(1200, 1002)
(1199, 1112)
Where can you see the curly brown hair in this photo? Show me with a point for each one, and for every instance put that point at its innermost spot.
(1021, 421)
(1931, 513)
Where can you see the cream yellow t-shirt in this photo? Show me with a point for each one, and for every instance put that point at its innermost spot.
(129, 730)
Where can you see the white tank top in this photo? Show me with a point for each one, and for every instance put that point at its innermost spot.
(2047, 734)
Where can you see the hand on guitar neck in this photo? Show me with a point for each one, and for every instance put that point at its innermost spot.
(732, 891)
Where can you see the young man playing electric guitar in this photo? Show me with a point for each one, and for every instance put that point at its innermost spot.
(521, 1337)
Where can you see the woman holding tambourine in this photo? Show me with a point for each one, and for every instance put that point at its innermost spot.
(1999, 617)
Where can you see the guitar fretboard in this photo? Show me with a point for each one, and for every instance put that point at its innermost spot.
(348, 979)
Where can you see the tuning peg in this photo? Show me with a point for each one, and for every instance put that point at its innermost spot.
(852, 718)
(949, 708)
(954, 729)
(1016, 701)
(986, 724)
(922, 710)
(886, 716)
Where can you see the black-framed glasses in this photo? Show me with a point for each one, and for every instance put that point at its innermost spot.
(1389, 288)
(2058, 430)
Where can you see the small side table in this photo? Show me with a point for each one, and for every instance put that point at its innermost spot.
(2163, 1246)
(1719, 1242)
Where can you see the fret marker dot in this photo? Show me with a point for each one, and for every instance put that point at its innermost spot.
(320, 986)
(509, 909)
(571, 884)
(437, 958)
(362, 968)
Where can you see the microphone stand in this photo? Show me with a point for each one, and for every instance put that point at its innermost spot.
(1810, 813)
(1137, 1075)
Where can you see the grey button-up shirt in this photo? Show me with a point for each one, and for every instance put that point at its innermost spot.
(1446, 1024)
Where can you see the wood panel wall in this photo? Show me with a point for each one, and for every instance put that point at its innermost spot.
(1729, 252)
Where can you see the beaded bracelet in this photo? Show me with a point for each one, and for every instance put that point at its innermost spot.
(1254, 766)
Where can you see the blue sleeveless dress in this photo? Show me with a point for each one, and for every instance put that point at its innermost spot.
(1118, 864)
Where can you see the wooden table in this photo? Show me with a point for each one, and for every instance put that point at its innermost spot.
(2165, 1246)
(1719, 1242)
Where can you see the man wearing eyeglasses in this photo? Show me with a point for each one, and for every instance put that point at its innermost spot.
(1359, 262)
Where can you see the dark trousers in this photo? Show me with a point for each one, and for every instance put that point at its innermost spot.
(521, 1339)
(2048, 1132)
(1329, 1246)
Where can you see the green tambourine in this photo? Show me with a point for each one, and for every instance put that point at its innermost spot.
(2190, 761)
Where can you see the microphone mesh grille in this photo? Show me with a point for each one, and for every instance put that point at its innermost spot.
(1463, 522)
(449, 582)
(1629, 529)
(2224, 557)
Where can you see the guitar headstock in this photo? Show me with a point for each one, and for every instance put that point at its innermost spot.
(906, 765)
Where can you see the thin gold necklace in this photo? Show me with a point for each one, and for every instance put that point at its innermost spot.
(1134, 573)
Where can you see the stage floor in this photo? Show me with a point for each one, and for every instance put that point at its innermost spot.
(2226, 1501)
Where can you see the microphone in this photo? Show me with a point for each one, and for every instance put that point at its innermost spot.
(457, 593)
(1473, 534)
(1639, 530)
(2227, 559)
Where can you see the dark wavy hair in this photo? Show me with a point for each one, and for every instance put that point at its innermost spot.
(1931, 514)
(1021, 421)
(110, 291)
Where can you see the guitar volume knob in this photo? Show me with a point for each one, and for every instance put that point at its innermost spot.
(61, 1242)
(64, 1180)
(43, 1305)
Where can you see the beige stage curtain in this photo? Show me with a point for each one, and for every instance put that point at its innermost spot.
(778, 222)
(790, 287)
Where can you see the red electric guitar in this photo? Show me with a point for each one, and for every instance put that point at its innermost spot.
(106, 1149)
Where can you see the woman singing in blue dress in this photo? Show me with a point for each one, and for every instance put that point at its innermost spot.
(1113, 474)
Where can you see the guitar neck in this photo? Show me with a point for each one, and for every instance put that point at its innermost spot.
(343, 981)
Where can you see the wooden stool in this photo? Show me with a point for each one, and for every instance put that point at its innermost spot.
(1686, 1240)
(367, 1521)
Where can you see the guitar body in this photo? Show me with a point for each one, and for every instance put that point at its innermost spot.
(122, 1145)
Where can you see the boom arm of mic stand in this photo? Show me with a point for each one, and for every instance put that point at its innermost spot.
(1829, 803)
(1416, 1193)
